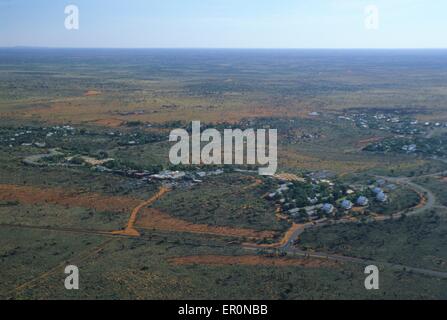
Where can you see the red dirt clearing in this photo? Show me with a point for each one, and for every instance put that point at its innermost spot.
(365, 142)
(250, 260)
(130, 229)
(155, 219)
(113, 123)
(148, 218)
(92, 93)
(35, 195)
(284, 239)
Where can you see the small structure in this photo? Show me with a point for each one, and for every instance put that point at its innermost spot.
(382, 197)
(40, 144)
(272, 195)
(377, 190)
(409, 148)
(362, 201)
(346, 205)
(217, 172)
(391, 187)
(169, 175)
(327, 208)
(282, 188)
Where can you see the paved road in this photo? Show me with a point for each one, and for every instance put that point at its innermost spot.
(365, 262)
(430, 197)
(398, 267)
(428, 205)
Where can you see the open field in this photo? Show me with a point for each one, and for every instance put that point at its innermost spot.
(142, 270)
(232, 85)
(85, 176)
(214, 202)
(249, 261)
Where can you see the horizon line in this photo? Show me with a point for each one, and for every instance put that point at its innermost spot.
(223, 48)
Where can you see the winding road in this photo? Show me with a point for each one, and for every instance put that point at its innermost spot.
(429, 204)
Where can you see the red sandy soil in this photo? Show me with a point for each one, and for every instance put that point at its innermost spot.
(140, 215)
(69, 198)
(363, 143)
(91, 93)
(155, 219)
(113, 123)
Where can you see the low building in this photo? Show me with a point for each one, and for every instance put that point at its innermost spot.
(282, 188)
(382, 197)
(346, 205)
(327, 208)
(409, 148)
(377, 190)
(169, 175)
(272, 195)
(362, 201)
(40, 144)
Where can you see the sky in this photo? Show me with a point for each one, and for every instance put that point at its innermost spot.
(226, 24)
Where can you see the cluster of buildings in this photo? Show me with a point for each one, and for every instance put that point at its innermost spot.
(172, 177)
(434, 146)
(392, 122)
(317, 206)
(41, 137)
(34, 136)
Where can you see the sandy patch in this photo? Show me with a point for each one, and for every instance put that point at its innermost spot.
(35, 195)
(113, 123)
(92, 93)
(363, 143)
(155, 219)
(140, 216)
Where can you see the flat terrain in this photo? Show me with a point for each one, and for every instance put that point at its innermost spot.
(84, 140)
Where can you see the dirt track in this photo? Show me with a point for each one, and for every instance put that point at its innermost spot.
(130, 229)
(140, 216)
(155, 219)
